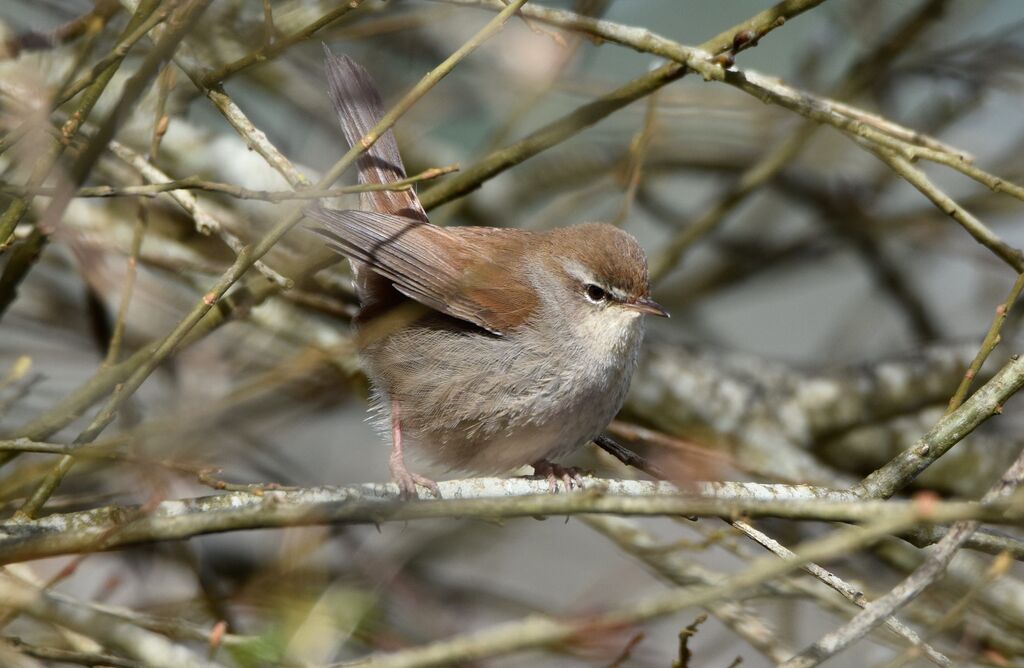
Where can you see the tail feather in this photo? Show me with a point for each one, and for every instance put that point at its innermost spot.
(359, 107)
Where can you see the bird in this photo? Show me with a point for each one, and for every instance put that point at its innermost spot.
(487, 349)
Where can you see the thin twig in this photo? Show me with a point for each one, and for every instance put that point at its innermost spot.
(253, 136)
(977, 229)
(197, 183)
(206, 223)
(988, 344)
(127, 286)
(271, 49)
(117, 54)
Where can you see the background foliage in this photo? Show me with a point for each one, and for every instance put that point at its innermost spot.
(829, 195)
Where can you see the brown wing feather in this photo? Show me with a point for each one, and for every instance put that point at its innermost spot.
(359, 107)
(450, 271)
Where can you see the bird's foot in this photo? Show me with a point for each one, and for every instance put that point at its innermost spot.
(569, 475)
(407, 481)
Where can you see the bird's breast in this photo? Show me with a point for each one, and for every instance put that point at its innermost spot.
(485, 403)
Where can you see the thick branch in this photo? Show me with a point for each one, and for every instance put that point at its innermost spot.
(118, 526)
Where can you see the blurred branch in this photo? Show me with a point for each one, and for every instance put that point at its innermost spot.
(542, 630)
(179, 23)
(859, 75)
(160, 183)
(146, 646)
(842, 210)
(205, 222)
(70, 656)
(270, 50)
(253, 136)
(124, 390)
(681, 570)
(44, 165)
(116, 339)
(589, 114)
(116, 55)
(102, 11)
(107, 378)
(554, 133)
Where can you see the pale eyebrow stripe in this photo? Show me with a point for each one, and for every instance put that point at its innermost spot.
(579, 272)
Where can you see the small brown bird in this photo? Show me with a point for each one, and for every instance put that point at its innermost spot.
(487, 348)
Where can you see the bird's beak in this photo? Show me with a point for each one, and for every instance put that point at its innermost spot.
(648, 306)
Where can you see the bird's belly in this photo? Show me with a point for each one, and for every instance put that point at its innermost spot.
(492, 408)
(544, 426)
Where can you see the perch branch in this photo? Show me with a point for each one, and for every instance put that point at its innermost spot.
(479, 497)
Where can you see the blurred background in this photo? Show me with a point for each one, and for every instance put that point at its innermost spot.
(827, 271)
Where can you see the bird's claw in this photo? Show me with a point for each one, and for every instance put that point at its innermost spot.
(570, 476)
(407, 482)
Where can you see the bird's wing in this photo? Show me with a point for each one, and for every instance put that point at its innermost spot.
(471, 275)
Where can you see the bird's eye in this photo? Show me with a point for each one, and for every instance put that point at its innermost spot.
(595, 293)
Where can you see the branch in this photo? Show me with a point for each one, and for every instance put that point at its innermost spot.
(848, 592)
(541, 630)
(206, 223)
(118, 526)
(589, 114)
(14, 211)
(930, 571)
(148, 647)
(161, 183)
(859, 75)
(878, 132)
(987, 401)
(682, 570)
(269, 51)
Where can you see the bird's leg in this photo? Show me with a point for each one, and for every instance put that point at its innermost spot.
(403, 477)
(569, 475)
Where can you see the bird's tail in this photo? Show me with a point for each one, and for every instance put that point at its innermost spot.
(359, 107)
